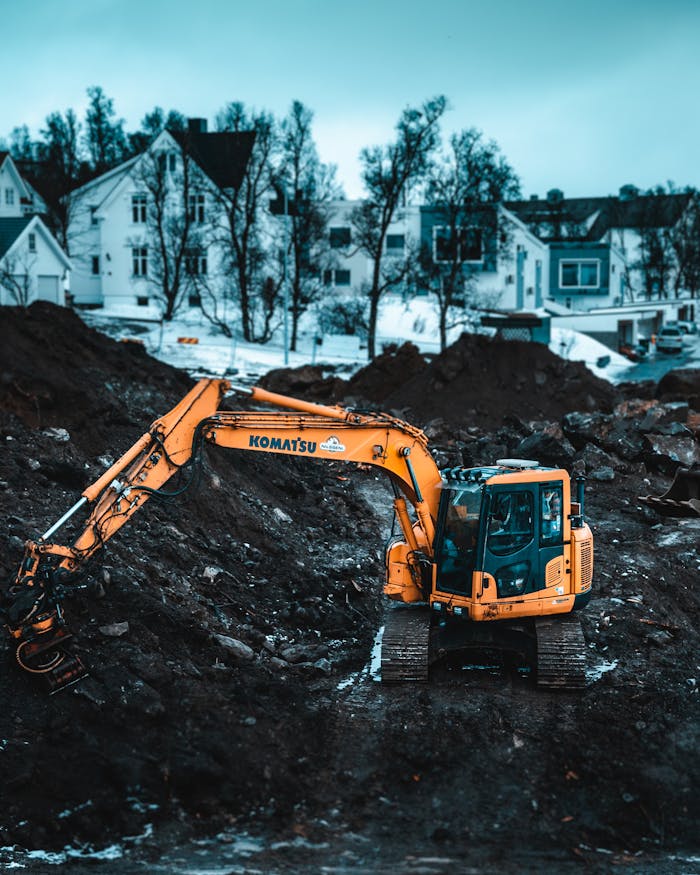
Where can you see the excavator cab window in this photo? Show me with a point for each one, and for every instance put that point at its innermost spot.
(458, 537)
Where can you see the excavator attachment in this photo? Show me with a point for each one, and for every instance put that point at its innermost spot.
(42, 639)
(681, 499)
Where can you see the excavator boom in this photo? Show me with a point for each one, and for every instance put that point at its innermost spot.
(172, 446)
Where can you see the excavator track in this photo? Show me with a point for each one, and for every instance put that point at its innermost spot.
(406, 646)
(561, 653)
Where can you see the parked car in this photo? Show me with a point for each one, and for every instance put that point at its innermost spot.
(669, 339)
(685, 326)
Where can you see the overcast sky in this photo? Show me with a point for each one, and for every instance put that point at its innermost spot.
(582, 96)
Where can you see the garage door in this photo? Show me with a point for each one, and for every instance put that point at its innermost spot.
(47, 289)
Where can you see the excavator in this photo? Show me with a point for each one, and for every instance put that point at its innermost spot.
(490, 557)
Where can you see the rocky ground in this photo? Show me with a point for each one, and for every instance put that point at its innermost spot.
(229, 632)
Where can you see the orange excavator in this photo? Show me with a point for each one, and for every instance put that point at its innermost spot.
(497, 556)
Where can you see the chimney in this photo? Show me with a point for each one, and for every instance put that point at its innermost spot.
(197, 125)
(555, 195)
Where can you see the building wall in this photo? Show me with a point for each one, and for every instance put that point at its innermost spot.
(10, 193)
(583, 258)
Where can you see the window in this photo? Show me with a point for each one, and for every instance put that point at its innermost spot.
(142, 300)
(464, 245)
(582, 273)
(167, 161)
(139, 204)
(460, 533)
(194, 300)
(32, 242)
(511, 522)
(196, 208)
(93, 217)
(9, 196)
(395, 243)
(551, 515)
(196, 261)
(172, 161)
(336, 277)
(340, 237)
(139, 260)
(95, 265)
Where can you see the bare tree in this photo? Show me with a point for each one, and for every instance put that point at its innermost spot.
(61, 170)
(656, 256)
(685, 240)
(16, 272)
(388, 173)
(105, 139)
(21, 147)
(254, 280)
(465, 188)
(174, 201)
(309, 187)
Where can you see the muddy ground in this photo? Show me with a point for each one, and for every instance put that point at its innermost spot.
(229, 632)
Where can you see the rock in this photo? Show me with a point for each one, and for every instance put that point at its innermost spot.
(667, 453)
(238, 649)
(603, 475)
(115, 630)
(281, 516)
(296, 653)
(211, 572)
(57, 434)
(548, 447)
(585, 428)
(323, 666)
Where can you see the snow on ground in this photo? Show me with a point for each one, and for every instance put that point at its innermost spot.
(215, 355)
(577, 347)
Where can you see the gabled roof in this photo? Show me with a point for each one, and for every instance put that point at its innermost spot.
(15, 172)
(590, 218)
(10, 230)
(222, 156)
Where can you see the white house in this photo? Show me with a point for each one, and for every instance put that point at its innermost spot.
(111, 229)
(32, 264)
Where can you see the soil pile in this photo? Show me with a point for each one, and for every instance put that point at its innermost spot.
(227, 631)
(478, 381)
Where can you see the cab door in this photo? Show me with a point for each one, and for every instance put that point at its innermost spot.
(511, 545)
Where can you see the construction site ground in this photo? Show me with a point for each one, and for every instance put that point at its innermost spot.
(232, 720)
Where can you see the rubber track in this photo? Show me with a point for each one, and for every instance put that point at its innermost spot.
(405, 646)
(561, 653)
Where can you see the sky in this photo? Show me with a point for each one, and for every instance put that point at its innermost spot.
(580, 96)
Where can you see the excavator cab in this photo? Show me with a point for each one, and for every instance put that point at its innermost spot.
(500, 541)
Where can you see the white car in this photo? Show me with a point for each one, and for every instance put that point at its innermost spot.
(669, 339)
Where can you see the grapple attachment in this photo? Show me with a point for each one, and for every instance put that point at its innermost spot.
(681, 499)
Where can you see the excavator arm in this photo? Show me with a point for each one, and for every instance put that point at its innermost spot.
(172, 446)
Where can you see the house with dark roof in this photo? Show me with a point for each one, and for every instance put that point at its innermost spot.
(608, 250)
(32, 264)
(614, 263)
(113, 238)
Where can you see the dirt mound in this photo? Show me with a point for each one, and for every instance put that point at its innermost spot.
(57, 372)
(387, 373)
(482, 381)
(681, 385)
